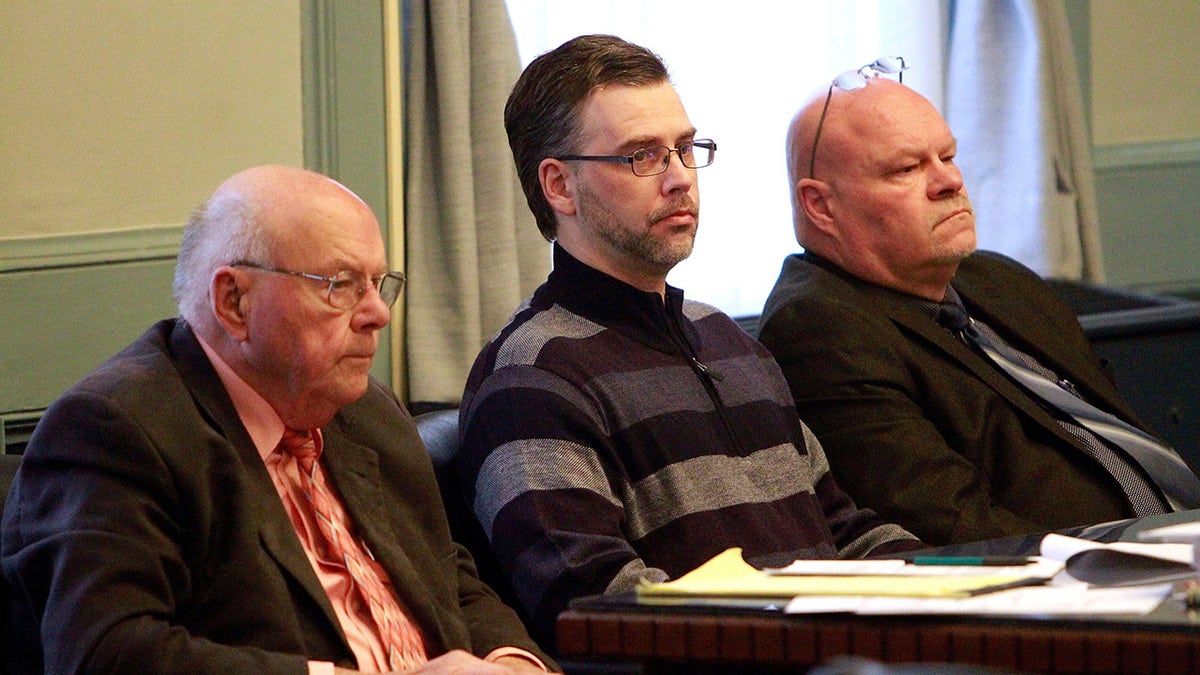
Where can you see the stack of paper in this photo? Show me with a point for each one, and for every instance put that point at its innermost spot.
(1065, 579)
(1054, 600)
(1121, 563)
(727, 575)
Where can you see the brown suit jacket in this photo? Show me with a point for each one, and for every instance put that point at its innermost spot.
(919, 427)
(143, 533)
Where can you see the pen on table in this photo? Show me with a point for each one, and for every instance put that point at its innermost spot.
(1019, 583)
(972, 560)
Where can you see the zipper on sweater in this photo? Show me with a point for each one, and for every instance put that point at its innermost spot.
(707, 377)
(705, 370)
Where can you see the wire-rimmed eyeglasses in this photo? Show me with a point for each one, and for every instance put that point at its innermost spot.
(654, 160)
(849, 81)
(346, 288)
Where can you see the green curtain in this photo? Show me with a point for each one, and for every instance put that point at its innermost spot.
(472, 249)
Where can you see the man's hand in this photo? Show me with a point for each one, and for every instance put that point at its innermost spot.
(517, 664)
(459, 661)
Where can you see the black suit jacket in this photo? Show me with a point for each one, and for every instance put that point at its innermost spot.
(143, 532)
(919, 427)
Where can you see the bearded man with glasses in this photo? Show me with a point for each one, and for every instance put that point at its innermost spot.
(876, 326)
(614, 432)
(233, 492)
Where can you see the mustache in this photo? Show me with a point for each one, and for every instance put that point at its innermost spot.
(959, 204)
(684, 203)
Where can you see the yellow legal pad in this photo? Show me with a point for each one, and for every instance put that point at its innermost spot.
(728, 575)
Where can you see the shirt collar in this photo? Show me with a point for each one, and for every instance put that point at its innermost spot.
(261, 421)
(934, 308)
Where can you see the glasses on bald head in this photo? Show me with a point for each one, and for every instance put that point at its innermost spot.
(851, 80)
(346, 288)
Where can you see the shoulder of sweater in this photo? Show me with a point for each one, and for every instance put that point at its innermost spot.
(522, 339)
(696, 310)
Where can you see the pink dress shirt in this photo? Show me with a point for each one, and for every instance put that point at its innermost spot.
(266, 429)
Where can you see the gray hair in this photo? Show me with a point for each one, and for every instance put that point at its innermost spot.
(222, 230)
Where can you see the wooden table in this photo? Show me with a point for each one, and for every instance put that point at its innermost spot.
(697, 640)
(701, 640)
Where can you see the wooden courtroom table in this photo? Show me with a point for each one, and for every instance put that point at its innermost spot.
(699, 639)
(688, 641)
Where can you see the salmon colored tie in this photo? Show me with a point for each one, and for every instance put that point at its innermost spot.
(400, 637)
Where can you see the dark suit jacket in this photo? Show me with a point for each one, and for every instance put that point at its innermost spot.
(143, 533)
(921, 428)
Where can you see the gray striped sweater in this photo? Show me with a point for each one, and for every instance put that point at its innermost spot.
(610, 438)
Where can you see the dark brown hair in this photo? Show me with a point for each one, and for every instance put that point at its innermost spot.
(542, 113)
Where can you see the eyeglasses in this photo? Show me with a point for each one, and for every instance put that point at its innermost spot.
(346, 288)
(851, 80)
(655, 159)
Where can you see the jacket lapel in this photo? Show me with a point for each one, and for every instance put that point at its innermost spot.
(276, 533)
(354, 471)
(912, 321)
(1044, 337)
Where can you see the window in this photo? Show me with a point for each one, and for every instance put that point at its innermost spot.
(742, 70)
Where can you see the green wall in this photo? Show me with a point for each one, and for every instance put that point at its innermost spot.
(68, 302)
(1149, 203)
(64, 314)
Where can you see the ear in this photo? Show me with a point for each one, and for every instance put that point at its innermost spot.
(557, 185)
(229, 301)
(814, 197)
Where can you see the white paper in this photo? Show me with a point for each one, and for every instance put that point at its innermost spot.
(1182, 532)
(1058, 547)
(1053, 600)
(1061, 596)
(1043, 568)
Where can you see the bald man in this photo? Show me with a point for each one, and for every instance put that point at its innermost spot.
(917, 425)
(161, 520)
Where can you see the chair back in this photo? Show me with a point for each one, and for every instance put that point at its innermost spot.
(439, 432)
(8, 469)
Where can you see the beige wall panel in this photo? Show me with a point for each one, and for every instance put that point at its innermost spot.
(1145, 82)
(124, 114)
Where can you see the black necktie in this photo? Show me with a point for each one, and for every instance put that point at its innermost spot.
(1099, 431)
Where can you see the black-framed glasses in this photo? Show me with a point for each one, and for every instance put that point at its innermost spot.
(346, 288)
(851, 80)
(654, 160)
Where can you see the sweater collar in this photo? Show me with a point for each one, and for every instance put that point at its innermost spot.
(612, 303)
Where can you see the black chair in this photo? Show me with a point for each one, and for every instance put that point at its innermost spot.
(439, 432)
(1153, 352)
(8, 469)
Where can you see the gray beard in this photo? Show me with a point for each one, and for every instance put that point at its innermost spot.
(645, 247)
(641, 245)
